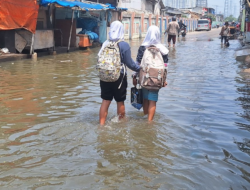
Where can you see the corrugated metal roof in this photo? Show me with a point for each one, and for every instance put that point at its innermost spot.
(86, 5)
(173, 12)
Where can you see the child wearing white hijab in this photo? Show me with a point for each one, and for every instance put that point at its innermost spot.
(109, 90)
(151, 97)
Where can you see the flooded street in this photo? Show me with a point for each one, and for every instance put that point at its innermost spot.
(200, 138)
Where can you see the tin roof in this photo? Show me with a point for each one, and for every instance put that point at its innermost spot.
(86, 5)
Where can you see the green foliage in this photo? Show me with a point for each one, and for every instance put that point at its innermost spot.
(231, 18)
(212, 17)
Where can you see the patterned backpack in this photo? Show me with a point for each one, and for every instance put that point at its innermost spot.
(109, 63)
(153, 73)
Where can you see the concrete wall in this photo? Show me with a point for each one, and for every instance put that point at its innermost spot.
(42, 19)
(148, 6)
(197, 10)
(157, 9)
(130, 4)
(136, 25)
(141, 5)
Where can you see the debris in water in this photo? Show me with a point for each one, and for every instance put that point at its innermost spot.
(65, 61)
(4, 50)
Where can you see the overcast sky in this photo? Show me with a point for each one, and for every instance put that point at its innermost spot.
(220, 3)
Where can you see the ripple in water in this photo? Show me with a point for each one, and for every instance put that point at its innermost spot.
(50, 137)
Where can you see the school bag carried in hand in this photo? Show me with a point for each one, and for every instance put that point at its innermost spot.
(136, 96)
(109, 63)
(153, 74)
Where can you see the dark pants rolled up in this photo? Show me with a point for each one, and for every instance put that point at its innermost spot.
(172, 37)
(223, 38)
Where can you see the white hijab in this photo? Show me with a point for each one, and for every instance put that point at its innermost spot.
(116, 33)
(153, 37)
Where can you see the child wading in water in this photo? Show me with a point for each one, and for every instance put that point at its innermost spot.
(117, 89)
(150, 97)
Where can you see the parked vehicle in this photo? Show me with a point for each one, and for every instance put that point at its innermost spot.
(183, 31)
(204, 24)
(232, 34)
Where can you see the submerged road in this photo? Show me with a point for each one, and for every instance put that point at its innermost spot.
(200, 139)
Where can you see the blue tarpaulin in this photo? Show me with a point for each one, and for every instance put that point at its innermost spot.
(116, 8)
(86, 5)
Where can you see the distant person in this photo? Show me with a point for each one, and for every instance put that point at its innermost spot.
(238, 27)
(225, 31)
(152, 40)
(172, 30)
(181, 25)
(233, 24)
(108, 58)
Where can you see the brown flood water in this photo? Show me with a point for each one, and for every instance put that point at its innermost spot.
(200, 139)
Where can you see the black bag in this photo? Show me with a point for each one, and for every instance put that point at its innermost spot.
(136, 98)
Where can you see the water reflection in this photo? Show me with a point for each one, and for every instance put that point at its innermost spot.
(244, 99)
(121, 147)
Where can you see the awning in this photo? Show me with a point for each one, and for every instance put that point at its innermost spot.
(18, 14)
(116, 8)
(173, 12)
(86, 5)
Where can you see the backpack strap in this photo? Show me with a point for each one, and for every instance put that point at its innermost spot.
(123, 65)
(153, 50)
(124, 71)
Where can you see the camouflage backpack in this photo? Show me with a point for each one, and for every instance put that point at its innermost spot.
(109, 63)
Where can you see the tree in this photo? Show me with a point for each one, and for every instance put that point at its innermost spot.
(231, 18)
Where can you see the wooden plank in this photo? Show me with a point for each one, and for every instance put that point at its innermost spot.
(44, 39)
(20, 43)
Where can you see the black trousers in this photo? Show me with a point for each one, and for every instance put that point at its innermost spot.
(225, 39)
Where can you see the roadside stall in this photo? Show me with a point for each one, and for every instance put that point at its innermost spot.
(15, 17)
(55, 25)
(78, 24)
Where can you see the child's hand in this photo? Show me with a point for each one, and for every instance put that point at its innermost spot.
(165, 84)
(134, 81)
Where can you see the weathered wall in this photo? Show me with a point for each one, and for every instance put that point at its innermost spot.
(64, 26)
(140, 5)
(42, 19)
(157, 9)
(130, 4)
(136, 25)
(148, 6)
(7, 40)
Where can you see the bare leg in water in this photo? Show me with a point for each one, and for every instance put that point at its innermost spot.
(120, 110)
(104, 111)
(149, 108)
